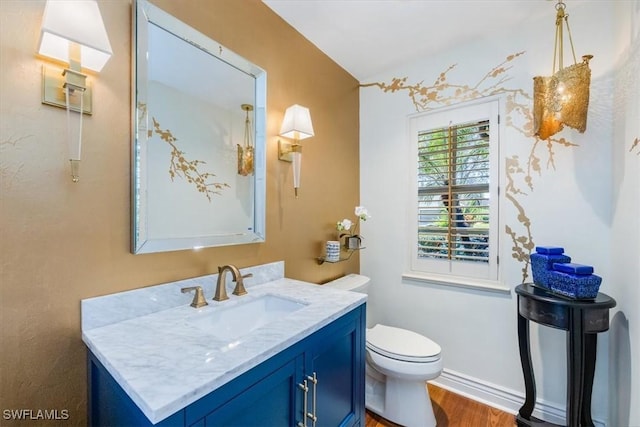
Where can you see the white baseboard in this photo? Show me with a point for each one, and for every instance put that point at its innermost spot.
(499, 397)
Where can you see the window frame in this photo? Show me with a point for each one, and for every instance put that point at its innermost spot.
(461, 273)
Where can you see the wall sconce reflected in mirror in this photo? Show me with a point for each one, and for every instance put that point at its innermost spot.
(297, 126)
(563, 98)
(246, 151)
(72, 32)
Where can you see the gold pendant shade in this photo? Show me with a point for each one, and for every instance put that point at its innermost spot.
(245, 160)
(563, 98)
(246, 151)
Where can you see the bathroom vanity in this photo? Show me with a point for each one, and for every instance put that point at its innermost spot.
(177, 365)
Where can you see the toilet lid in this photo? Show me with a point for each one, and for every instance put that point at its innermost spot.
(401, 344)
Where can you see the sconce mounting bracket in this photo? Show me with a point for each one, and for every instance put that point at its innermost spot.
(285, 150)
(53, 92)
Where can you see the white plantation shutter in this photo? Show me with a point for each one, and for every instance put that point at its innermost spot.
(455, 193)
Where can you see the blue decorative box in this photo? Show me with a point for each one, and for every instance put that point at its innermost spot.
(577, 286)
(550, 250)
(542, 263)
(572, 268)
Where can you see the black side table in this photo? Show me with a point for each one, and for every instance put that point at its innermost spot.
(583, 319)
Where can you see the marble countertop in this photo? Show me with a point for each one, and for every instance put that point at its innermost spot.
(164, 364)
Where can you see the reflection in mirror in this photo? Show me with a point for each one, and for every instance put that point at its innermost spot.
(200, 110)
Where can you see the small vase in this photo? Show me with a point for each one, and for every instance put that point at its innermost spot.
(352, 242)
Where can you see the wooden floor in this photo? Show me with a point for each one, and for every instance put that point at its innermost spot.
(452, 410)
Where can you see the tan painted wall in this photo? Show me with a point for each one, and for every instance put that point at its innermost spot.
(61, 242)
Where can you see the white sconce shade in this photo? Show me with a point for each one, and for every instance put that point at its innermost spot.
(75, 21)
(297, 123)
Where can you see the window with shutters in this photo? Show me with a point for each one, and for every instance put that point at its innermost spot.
(456, 189)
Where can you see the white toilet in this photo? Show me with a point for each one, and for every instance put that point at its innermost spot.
(399, 362)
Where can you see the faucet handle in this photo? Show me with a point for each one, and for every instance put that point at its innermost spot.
(239, 289)
(198, 299)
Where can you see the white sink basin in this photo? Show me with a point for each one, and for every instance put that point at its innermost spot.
(239, 319)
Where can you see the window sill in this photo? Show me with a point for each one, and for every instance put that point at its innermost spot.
(458, 281)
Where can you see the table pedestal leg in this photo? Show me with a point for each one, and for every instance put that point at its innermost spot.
(575, 369)
(527, 368)
(590, 345)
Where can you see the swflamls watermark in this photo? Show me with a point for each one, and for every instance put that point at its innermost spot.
(35, 414)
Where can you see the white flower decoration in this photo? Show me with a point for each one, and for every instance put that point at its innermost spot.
(345, 224)
(362, 213)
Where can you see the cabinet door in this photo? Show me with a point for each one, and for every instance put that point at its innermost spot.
(269, 402)
(336, 357)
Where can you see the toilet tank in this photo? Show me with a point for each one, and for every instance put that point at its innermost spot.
(351, 282)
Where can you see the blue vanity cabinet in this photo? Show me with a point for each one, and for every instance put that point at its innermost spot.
(270, 394)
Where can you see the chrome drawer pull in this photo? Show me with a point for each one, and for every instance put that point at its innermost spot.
(304, 388)
(313, 416)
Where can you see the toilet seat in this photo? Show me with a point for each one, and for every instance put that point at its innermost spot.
(401, 344)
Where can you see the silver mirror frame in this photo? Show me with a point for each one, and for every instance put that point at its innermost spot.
(144, 14)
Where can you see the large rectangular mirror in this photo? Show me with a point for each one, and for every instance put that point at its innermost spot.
(198, 150)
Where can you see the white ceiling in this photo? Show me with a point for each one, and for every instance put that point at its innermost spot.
(367, 37)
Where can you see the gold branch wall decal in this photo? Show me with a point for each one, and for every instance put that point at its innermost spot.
(523, 245)
(513, 167)
(634, 145)
(518, 102)
(519, 116)
(179, 166)
(442, 92)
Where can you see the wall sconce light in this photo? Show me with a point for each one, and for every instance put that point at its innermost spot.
(72, 32)
(563, 98)
(296, 125)
(245, 152)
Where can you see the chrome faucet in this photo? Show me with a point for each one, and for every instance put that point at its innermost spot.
(221, 286)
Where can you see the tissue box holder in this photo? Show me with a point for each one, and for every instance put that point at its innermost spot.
(542, 264)
(576, 286)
